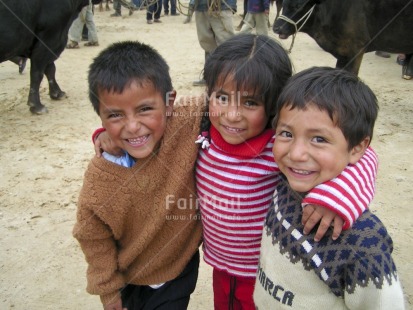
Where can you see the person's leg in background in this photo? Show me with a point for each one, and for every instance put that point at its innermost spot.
(89, 22)
(166, 6)
(191, 8)
(158, 11)
(261, 24)
(239, 27)
(173, 8)
(85, 35)
(248, 23)
(117, 8)
(222, 26)
(206, 38)
(150, 11)
(75, 30)
(137, 3)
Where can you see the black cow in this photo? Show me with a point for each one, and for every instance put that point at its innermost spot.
(37, 29)
(349, 28)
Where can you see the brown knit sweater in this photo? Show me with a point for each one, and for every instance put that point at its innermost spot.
(141, 225)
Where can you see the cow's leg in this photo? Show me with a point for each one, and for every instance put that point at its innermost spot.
(351, 64)
(36, 76)
(54, 90)
(407, 72)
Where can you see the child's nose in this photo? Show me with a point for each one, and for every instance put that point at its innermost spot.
(298, 151)
(233, 112)
(132, 125)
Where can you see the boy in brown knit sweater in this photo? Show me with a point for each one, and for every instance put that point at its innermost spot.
(137, 221)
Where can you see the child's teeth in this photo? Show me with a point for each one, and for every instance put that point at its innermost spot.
(301, 171)
(138, 140)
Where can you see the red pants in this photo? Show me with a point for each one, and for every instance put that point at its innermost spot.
(232, 292)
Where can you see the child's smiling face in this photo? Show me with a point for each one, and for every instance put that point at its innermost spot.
(135, 119)
(310, 149)
(237, 114)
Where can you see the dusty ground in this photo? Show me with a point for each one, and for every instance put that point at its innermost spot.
(44, 157)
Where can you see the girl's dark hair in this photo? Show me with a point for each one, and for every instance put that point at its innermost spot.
(349, 102)
(255, 62)
(122, 63)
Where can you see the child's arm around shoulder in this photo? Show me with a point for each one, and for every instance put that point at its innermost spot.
(343, 199)
(103, 143)
(326, 217)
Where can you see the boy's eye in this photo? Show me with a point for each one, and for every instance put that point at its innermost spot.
(114, 115)
(319, 139)
(145, 109)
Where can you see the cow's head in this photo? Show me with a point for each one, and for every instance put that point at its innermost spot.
(293, 15)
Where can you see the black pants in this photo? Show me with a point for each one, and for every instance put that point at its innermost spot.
(173, 295)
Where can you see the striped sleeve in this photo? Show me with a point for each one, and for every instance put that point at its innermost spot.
(350, 193)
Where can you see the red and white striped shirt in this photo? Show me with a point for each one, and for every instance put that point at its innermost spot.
(235, 184)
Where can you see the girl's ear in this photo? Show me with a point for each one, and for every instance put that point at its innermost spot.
(170, 100)
(357, 152)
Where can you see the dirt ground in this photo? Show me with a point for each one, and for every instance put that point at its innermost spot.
(43, 158)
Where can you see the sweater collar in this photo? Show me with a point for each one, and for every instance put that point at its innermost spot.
(250, 148)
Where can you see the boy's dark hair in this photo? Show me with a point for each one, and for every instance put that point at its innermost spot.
(251, 60)
(349, 102)
(122, 63)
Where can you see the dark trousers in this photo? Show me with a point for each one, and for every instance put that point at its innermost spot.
(166, 6)
(154, 10)
(173, 295)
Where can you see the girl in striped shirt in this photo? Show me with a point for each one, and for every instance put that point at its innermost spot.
(236, 173)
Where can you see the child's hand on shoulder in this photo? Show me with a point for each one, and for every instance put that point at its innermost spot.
(115, 306)
(103, 143)
(315, 214)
